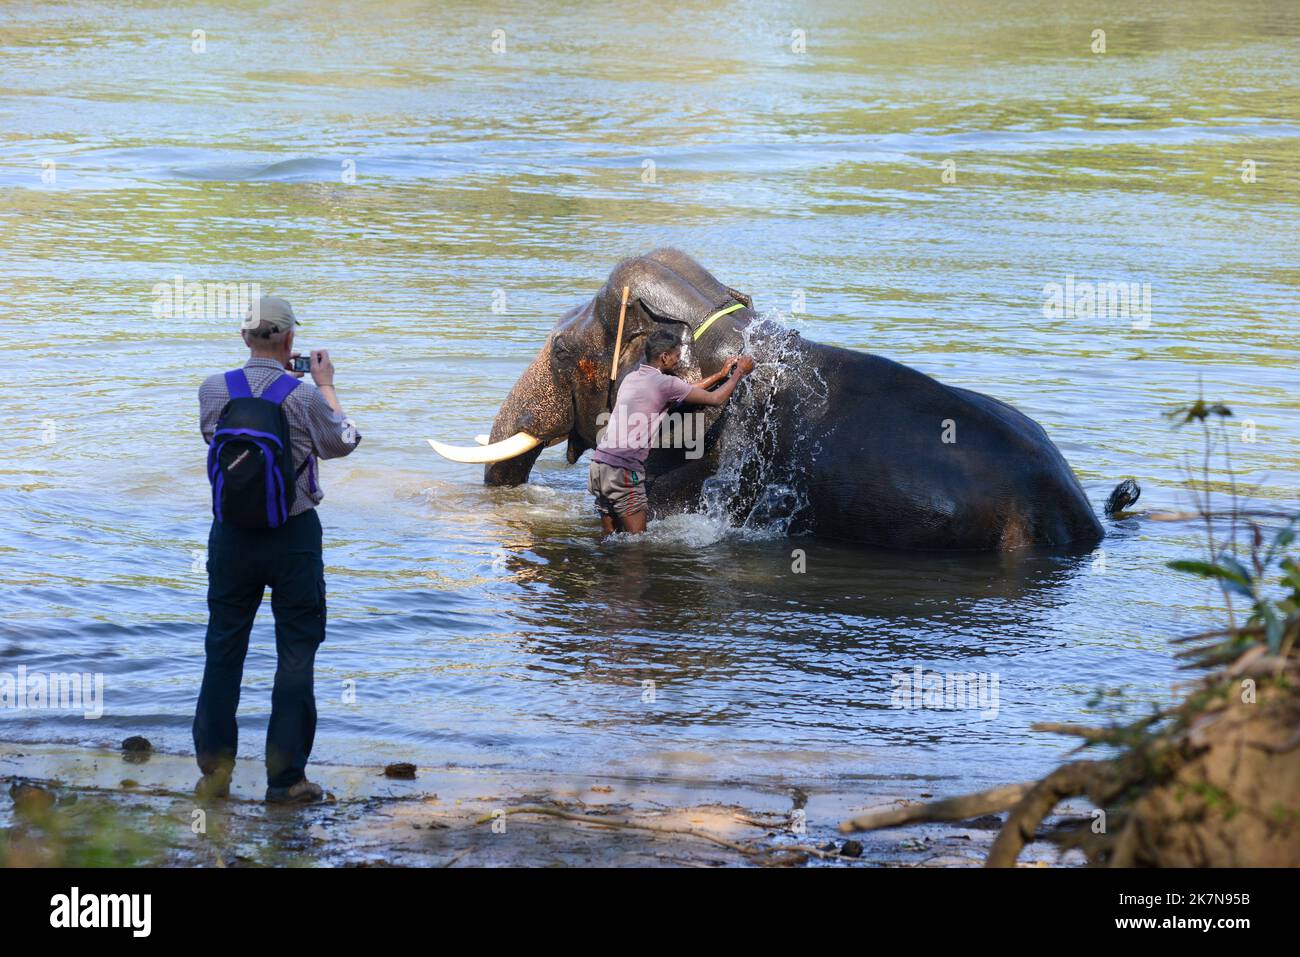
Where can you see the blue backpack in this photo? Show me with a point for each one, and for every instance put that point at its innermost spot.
(250, 461)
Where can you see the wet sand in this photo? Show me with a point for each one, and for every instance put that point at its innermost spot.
(104, 807)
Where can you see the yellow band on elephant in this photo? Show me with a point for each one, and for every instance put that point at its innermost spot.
(716, 316)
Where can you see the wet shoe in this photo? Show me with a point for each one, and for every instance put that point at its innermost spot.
(304, 792)
(214, 786)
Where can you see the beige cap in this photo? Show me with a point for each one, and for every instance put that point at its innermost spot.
(270, 309)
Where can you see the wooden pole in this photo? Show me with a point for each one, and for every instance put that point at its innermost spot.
(618, 347)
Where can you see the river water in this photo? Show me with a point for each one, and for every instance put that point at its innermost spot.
(431, 206)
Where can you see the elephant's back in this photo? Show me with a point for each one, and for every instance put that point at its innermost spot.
(908, 462)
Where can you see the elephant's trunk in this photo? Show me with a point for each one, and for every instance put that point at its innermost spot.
(539, 406)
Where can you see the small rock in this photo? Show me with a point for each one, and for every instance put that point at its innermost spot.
(130, 783)
(851, 849)
(136, 743)
(30, 800)
(402, 769)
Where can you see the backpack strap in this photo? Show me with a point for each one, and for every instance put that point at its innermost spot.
(308, 466)
(279, 390)
(237, 384)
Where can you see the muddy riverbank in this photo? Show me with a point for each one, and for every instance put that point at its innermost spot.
(75, 806)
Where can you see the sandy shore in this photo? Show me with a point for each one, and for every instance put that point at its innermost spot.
(66, 805)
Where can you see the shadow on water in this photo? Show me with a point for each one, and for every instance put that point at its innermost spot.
(780, 603)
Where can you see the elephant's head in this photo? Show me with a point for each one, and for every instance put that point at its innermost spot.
(564, 391)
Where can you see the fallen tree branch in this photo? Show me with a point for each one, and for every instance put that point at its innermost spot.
(1251, 631)
(951, 809)
(1120, 735)
(1069, 780)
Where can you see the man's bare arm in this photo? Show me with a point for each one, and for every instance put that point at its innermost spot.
(322, 372)
(739, 369)
(708, 382)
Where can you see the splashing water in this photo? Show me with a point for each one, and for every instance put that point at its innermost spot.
(759, 488)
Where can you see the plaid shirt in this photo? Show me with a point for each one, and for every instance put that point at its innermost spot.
(315, 430)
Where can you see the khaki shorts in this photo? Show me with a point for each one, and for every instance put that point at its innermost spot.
(618, 491)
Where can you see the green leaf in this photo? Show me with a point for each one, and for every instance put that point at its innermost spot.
(1236, 577)
(1197, 411)
(1284, 538)
(1292, 577)
(1272, 627)
(1204, 569)
(1233, 579)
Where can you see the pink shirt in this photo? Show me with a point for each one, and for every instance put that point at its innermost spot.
(643, 398)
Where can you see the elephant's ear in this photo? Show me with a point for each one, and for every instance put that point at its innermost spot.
(657, 294)
(640, 318)
(652, 313)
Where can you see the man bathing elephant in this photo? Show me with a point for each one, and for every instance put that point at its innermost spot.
(868, 450)
(617, 474)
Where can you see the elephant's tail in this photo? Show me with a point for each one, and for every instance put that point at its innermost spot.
(1122, 496)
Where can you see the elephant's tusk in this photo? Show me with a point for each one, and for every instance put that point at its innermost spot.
(516, 445)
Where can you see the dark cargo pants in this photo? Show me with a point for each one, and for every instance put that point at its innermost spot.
(242, 563)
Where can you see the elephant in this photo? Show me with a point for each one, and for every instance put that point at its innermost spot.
(827, 441)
